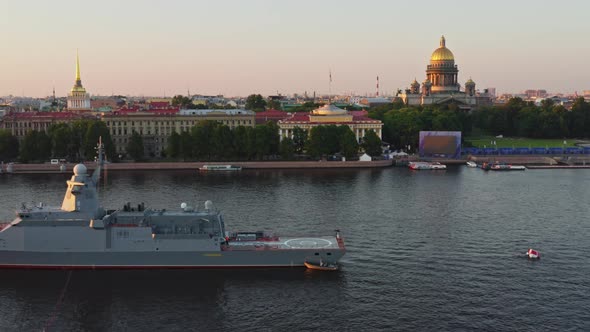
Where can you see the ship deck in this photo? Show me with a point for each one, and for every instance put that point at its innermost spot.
(288, 243)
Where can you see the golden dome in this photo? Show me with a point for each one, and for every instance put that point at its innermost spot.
(329, 109)
(442, 53)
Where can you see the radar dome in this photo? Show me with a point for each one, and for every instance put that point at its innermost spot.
(80, 169)
(208, 205)
(183, 205)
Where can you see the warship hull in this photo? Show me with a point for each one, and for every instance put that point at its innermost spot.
(162, 260)
(83, 235)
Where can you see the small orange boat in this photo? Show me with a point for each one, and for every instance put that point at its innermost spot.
(321, 267)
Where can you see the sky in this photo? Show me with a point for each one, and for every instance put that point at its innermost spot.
(236, 48)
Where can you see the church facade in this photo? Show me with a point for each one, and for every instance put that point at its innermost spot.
(442, 86)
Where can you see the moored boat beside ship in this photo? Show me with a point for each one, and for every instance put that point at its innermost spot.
(322, 266)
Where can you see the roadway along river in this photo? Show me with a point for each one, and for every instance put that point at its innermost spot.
(427, 251)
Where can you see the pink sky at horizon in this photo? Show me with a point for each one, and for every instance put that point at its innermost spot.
(157, 48)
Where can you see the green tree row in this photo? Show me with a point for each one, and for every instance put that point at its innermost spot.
(75, 141)
(9, 146)
(402, 124)
(332, 139)
(524, 119)
(210, 140)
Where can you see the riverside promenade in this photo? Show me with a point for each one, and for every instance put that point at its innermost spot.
(161, 166)
(536, 160)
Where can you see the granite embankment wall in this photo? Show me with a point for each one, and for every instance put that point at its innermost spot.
(48, 168)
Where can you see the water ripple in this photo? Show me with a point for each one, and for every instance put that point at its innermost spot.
(426, 252)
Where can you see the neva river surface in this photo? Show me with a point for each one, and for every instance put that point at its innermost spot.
(427, 251)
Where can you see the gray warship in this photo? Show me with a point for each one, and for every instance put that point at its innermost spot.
(82, 235)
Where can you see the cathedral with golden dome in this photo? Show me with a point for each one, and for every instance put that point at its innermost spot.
(78, 98)
(441, 85)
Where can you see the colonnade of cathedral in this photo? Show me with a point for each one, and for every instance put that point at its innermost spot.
(358, 132)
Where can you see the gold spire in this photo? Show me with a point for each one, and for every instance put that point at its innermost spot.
(78, 85)
(77, 66)
(442, 41)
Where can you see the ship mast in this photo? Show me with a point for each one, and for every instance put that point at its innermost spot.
(99, 161)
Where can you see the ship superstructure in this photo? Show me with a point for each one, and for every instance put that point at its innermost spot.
(81, 234)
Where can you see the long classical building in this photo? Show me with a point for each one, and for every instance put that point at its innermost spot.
(329, 114)
(441, 85)
(78, 98)
(20, 123)
(156, 126)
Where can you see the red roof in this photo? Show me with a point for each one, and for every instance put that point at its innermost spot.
(271, 115)
(43, 115)
(135, 109)
(299, 116)
(359, 113)
(362, 118)
(159, 104)
(128, 109)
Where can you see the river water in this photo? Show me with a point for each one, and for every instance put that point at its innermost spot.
(427, 251)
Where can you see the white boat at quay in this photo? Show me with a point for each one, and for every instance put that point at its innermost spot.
(219, 168)
(421, 165)
(498, 166)
(471, 164)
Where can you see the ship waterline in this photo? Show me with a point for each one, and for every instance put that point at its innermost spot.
(162, 260)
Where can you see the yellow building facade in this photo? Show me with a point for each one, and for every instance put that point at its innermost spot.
(329, 114)
(155, 129)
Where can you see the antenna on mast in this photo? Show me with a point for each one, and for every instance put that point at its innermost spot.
(99, 160)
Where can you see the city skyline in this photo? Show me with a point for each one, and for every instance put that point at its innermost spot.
(157, 48)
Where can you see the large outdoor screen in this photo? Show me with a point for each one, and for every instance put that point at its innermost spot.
(445, 144)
